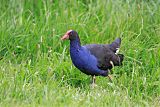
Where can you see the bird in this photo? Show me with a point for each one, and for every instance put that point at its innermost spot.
(94, 59)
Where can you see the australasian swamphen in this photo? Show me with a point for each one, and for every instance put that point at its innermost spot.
(93, 59)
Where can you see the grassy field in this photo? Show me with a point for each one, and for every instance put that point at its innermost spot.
(35, 65)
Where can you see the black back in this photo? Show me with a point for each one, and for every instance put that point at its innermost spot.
(106, 53)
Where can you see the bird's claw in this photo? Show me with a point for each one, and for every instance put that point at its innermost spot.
(93, 85)
(110, 78)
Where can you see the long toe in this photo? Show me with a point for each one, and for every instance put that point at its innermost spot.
(93, 85)
(110, 78)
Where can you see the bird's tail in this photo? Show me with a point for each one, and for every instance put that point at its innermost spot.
(115, 45)
(121, 57)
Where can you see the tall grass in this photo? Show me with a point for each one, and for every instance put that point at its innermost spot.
(35, 65)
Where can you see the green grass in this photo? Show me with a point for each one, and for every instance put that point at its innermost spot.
(35, 66)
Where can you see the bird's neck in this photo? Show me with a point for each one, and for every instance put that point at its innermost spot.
(75, 43)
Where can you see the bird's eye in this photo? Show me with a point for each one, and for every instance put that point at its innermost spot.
(71, 33)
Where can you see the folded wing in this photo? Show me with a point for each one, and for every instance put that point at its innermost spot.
(105, 54)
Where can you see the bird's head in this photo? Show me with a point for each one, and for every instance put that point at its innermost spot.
(70, 34)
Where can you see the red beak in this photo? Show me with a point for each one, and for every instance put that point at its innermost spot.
(66, 36)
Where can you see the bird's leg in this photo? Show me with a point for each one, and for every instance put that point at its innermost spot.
(111, 62)
(109, 77)
(93, 81)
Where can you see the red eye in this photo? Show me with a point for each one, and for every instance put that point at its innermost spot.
(70, 33)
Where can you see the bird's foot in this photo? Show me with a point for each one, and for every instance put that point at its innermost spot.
(110, 78)
(93, 81)
(93, 85)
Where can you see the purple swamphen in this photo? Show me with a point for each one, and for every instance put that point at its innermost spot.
(93, 59)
